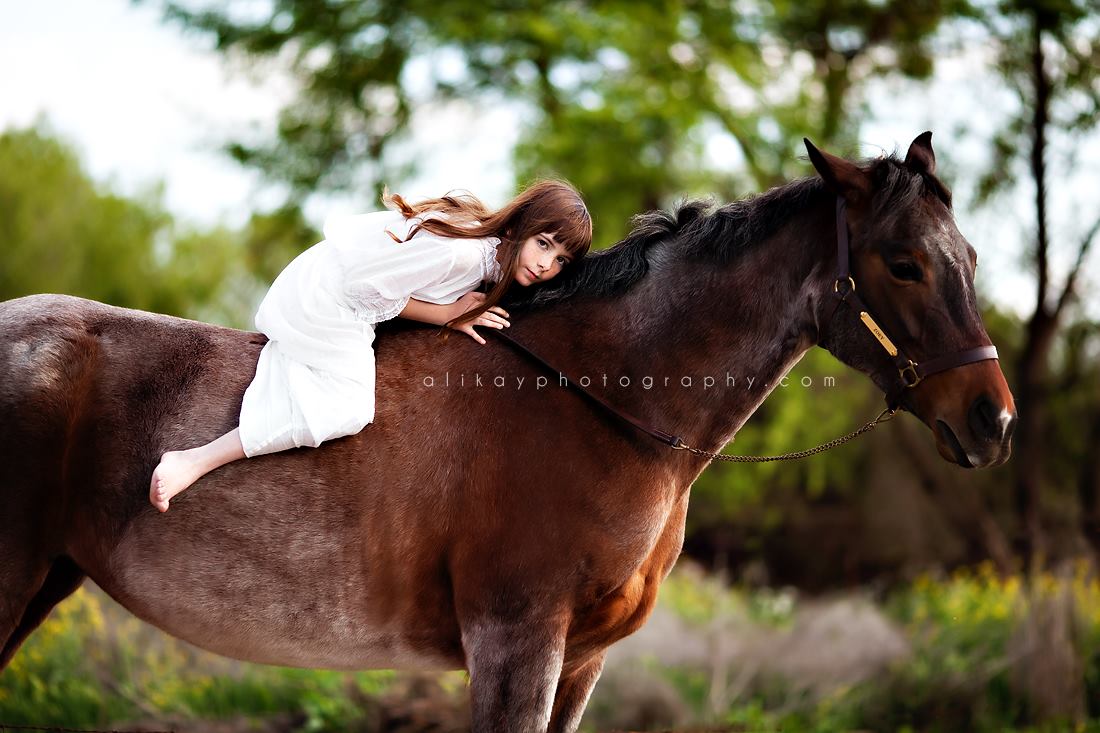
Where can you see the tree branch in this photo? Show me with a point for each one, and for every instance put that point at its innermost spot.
(1040, 118)
(1071, 280)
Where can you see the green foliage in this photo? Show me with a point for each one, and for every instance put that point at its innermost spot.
(63, 233)
(822, 400)
(1071, 70)
(958, 675)
(88, 667)
(962, 665)
(51, 678)
(699, 598)
(91, 664)
(619, 95)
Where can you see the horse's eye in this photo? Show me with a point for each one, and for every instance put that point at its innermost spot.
(905, 271)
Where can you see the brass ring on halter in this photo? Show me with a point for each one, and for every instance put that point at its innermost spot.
(836, 286)
(910, 369)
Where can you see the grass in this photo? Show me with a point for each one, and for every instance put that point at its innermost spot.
(85, 667)
(976, 641)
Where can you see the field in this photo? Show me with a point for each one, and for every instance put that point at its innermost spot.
(972, 651)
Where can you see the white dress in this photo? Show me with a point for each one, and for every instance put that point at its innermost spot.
(315, 376)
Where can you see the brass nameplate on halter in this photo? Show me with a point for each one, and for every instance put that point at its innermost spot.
(874, 329)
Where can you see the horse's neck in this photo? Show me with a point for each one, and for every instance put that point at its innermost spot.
(744, 325)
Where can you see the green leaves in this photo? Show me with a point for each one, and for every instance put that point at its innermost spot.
(623, 98)
(64, 233)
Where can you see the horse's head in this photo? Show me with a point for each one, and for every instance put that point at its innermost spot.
(915, 272)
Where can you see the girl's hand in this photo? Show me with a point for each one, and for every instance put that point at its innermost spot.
(495, 317)
(468, 301)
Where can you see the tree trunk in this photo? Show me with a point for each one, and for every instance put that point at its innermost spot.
(1032, 368)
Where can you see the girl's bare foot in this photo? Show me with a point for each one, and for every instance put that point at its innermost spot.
(174, 474)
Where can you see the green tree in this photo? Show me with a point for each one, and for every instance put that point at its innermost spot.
(64, 233)
(1048, 57)
(621, 96)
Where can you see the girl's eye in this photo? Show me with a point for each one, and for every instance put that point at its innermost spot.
(561, 260)
(543, 243)
(905, 271)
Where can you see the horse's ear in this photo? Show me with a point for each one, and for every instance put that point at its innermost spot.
(843, 177)
(921, 158)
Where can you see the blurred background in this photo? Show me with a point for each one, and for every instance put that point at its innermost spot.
(174, 156)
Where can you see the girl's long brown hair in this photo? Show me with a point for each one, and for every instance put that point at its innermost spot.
(547, 206)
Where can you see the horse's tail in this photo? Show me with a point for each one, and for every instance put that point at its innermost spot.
(45, 357)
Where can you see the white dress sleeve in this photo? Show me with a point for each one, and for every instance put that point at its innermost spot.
(381, 274)
(384, 291)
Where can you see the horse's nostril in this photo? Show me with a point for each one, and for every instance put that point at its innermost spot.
(990, 422)
(985, 419)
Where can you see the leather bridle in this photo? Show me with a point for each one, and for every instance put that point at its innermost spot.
(910, 373)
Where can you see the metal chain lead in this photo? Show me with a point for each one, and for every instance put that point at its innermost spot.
(797, 454)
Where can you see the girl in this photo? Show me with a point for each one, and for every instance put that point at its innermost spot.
(315, 376)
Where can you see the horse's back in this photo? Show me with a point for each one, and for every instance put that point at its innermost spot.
(65, 357)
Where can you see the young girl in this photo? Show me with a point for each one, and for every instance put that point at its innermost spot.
(315, 376)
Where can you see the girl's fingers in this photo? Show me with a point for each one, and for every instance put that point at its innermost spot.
(469, 329)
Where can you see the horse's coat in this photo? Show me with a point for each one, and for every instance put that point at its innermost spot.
(513, 533)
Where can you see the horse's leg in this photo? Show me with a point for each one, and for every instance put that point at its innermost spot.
(19, 581)
(30, 598)
(574, 689)
(514, 668)
(22, 573)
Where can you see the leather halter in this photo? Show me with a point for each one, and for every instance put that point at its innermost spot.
(910, 373)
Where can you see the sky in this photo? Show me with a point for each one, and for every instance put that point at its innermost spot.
(147, 105)
(144, 103)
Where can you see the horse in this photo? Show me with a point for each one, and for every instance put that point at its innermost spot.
(490, 519)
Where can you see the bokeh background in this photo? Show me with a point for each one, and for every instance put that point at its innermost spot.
(174, 156)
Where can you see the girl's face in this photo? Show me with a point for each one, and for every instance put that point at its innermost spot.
(540, 259)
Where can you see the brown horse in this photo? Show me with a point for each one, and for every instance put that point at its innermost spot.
(486, 521)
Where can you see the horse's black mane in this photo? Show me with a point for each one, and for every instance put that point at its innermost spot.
(719, 236)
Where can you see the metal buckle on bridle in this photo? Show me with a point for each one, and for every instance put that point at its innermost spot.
(906, 371)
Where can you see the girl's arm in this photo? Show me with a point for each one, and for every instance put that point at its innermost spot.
(495, 317)
(418, 310)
